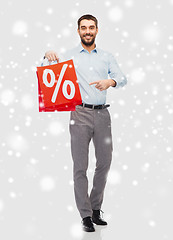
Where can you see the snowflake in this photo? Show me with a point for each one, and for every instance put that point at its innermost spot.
(115, 14)
(55, 128)
(114, 177)
(47, 184)
(19, 28)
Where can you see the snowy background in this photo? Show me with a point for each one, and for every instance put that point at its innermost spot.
(36, 187)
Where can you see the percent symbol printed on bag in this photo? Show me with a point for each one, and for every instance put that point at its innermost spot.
(58, 87)
(64, 87)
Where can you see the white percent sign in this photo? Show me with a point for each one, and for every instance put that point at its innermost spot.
(65, 84)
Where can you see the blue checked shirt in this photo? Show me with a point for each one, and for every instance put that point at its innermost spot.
(90, 67)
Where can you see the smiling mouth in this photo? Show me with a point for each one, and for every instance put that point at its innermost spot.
(88, 37)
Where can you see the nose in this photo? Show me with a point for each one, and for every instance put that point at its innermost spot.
(87, 30)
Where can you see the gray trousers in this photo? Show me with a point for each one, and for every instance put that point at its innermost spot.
(86, 124)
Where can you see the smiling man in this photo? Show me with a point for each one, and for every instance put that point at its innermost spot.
(91, 120)
(87, 32)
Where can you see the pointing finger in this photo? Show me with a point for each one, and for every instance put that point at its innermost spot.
(93, 83)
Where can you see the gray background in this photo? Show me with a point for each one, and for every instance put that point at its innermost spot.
(36, 187)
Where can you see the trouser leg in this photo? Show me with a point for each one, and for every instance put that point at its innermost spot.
(81, 135)
(102, 140)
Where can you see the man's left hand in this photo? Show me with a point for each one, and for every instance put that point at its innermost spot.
(103, 84)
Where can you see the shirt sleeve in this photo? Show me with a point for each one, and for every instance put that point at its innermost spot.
(115, 72)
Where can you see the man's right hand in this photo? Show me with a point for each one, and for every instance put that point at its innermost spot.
(52, 56)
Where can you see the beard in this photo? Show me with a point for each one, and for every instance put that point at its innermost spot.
(88, 43)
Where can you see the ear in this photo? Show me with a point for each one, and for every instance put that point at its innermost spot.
(78, 30)
(97, 30)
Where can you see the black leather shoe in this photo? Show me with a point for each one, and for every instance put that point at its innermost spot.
(88, 225)
(97, 218)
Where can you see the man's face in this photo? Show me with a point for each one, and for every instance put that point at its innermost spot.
(87, 32)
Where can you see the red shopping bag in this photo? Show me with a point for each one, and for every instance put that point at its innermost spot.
(58, 87)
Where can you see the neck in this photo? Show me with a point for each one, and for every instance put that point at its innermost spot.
(89, 48)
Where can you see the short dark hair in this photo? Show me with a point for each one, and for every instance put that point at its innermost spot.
(88, 17)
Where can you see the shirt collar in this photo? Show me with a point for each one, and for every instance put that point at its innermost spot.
(82, 49)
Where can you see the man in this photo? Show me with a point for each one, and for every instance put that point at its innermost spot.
(91, 120)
